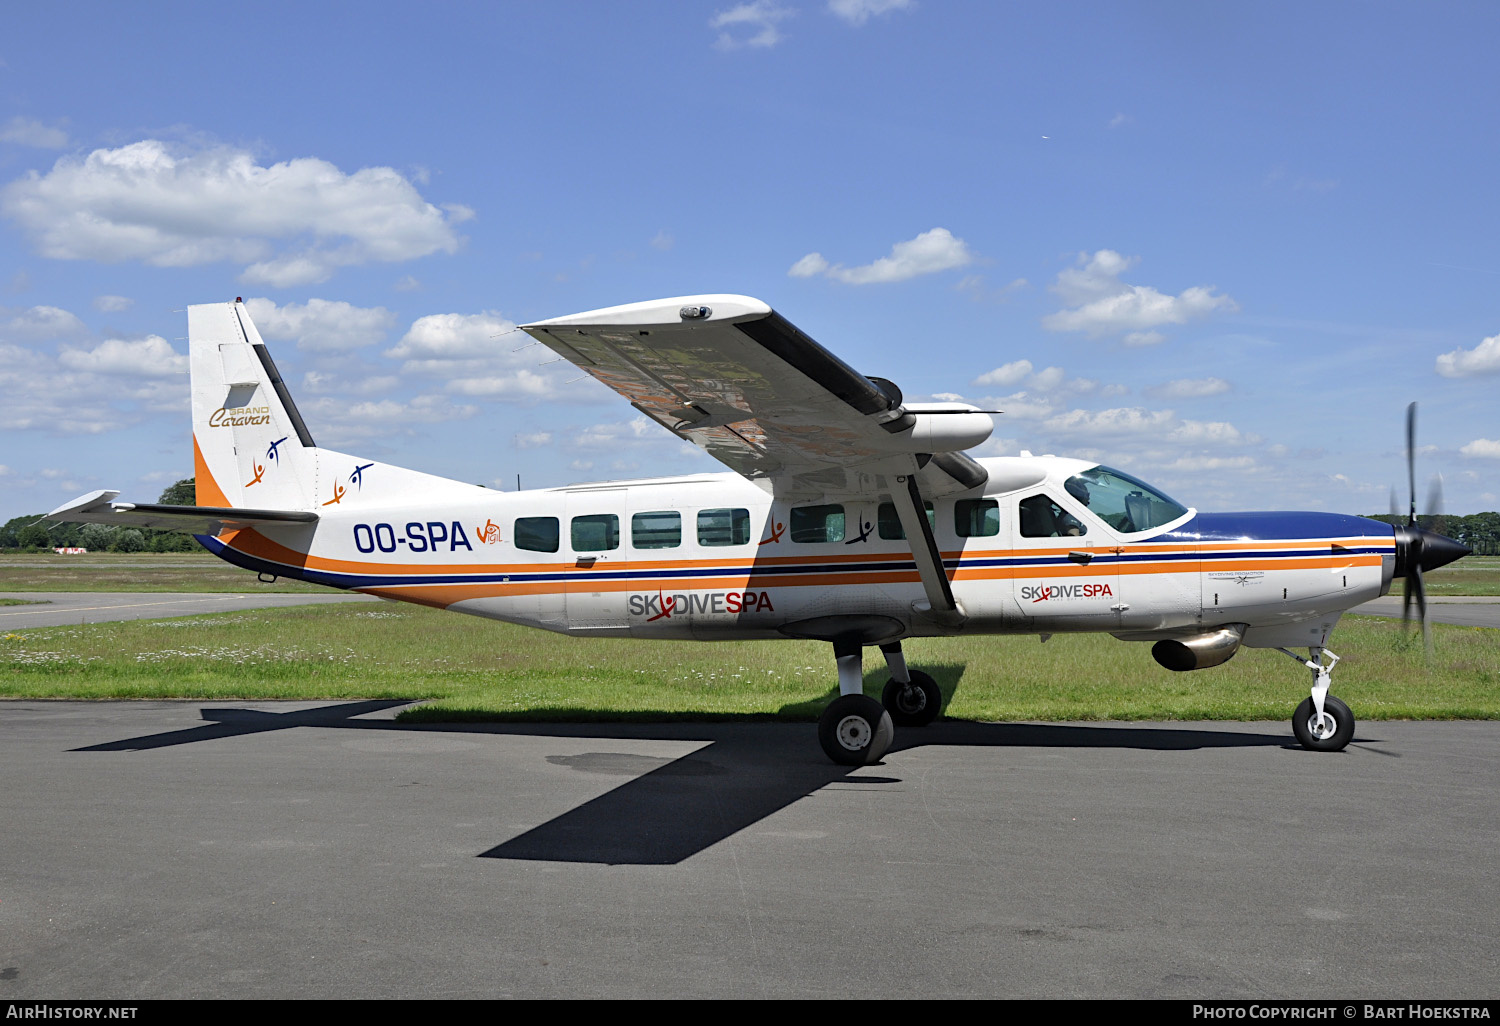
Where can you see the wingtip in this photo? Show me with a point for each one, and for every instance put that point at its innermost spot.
(83, 502)
(662, 312)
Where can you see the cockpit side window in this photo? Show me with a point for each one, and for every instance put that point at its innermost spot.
(1042, 518)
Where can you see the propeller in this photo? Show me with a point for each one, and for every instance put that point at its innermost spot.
(1418, 548)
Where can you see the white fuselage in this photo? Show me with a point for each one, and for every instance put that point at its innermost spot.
(717, 557)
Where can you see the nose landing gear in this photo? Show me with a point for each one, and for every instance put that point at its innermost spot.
(1321, 723)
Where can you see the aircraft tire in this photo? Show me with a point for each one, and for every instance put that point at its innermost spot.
(1343, 719)
(855, 730)
(915, 705)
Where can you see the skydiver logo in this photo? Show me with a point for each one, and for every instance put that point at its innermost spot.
(1049, 592)
(663, 607)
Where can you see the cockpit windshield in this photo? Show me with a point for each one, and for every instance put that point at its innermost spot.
(1123, 502)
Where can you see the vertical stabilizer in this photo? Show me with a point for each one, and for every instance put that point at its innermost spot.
(250, 445)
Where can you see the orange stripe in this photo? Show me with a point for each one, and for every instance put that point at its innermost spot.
(206, 491)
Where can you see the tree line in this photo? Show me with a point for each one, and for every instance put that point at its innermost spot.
(1479, 531)
(26, 535)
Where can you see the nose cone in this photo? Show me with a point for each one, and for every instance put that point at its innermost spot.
(1416, 547)
(1438, 550)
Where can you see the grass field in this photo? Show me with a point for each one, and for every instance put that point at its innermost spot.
(1472, 575)
(201, 572)
(475, 669)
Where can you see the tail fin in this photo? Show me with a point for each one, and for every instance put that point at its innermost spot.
(250, 446)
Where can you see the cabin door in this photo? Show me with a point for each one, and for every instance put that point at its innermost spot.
(593, 537)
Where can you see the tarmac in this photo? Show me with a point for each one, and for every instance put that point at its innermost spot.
(309, 850)
(64, 608)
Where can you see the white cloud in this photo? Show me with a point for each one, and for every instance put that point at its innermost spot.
(152, 357)
(1133, 420)
(1203, 432)
(808, 266)
(180, 208)
(1144, 338)
(928, 253)
(113, 304)
(1482, 359)
(86, 388)
(857, 12)
(467, 349)
(758, 18)
(29, 132)
(1482, 448)
(1197, 464)
(1120, 119)
(1189, 388)
(533, 440)
(321, 325)
(518, 384)
(455, 336)
(1102, 304)
(344, 422)
(319, 381)
(1022, 406)
(979, 291)
(1047, 380)
(42, 324)
(1006, 374)
(406, 283)
(662, 240)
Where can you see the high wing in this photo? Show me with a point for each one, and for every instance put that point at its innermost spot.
(734, 377)
(100, 508)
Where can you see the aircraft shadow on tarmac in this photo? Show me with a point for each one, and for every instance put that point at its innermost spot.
(671, 809)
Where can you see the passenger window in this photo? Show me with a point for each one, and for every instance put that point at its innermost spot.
(890, 523)
(724, 527)
(596, 532)
(1042, 518)
(976, 518)
(658, 530)
(536, 534)
(818, 523)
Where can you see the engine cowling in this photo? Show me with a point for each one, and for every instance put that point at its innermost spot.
(1199, 651)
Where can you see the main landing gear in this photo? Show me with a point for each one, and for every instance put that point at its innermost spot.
(1321, 723)
(856, 730)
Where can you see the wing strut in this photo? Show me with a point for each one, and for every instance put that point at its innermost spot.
(907, 499)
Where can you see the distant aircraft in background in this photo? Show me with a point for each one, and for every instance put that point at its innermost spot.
(850, 516)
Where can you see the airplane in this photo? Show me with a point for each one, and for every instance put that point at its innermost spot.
(847, 515)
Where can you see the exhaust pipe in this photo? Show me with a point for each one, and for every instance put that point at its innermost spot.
(1201, 650)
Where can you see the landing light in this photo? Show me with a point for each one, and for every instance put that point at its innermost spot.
(692, 313)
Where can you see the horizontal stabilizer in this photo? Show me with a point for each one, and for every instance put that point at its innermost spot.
(100, 508)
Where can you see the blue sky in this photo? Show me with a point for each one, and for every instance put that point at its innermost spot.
(1219, 246)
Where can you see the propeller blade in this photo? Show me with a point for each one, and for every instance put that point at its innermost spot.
(1395, 506)
(1436, 521)
(1414, 583)
(1411, 462)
